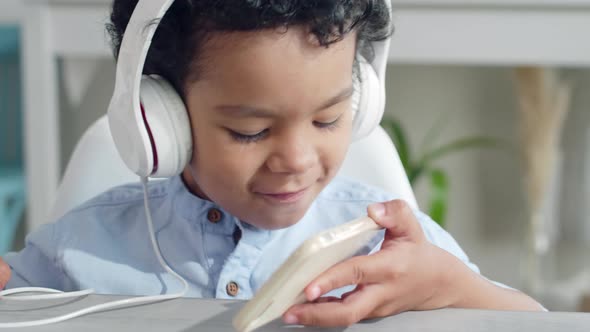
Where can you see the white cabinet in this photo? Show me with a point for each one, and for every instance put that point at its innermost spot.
(11, 11)
(492, 32)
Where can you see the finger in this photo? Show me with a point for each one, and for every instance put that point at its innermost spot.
(347, 294)
(4, 274)
(326, 299)
(355, 307)
(354, 271)
(392, 306)
(398, 218)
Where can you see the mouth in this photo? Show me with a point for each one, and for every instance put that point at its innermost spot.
(284, 197)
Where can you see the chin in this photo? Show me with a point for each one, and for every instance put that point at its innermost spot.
(273, 216)
(272, 223)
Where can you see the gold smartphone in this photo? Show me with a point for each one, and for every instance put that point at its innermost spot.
(317, 254)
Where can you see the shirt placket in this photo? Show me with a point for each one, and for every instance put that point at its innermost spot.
(234, 279)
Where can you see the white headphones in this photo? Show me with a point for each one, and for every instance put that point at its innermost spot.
(149, 121)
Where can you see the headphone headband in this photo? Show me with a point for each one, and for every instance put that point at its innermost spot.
(125, 113)
(367, 120)
(128, 122)
(381, 49)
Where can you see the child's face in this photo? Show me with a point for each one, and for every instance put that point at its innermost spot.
(271, 121)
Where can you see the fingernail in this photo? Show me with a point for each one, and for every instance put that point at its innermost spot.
(290, 319)
(314, 293)
(378, 209)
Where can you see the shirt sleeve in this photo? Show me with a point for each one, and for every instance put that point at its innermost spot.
(37, 264)
(442, 239)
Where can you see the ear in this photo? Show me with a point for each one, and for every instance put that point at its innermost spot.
(168, 122)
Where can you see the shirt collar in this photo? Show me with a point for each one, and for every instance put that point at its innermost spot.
(196, 211)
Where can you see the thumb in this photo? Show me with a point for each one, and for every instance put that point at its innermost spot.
(397, 217)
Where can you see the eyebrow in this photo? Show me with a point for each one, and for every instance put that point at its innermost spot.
(249, 111)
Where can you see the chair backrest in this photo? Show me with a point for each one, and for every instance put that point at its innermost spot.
(95, 166)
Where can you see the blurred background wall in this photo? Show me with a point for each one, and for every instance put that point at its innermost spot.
(487, 213)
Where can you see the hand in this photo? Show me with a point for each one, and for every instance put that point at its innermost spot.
(408, 273)
(4, 273)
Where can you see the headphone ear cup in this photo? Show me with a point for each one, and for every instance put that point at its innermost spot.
(368, 100)
(167, 120)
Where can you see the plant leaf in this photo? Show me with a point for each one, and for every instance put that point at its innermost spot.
(415, 172)
(439, 185)
(460, 144)
(400, 140)
(435, 130)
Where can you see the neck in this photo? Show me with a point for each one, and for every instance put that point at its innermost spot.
(190, 183)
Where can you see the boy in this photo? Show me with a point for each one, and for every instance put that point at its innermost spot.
(268, 87)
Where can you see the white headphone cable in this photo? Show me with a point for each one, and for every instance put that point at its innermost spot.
(53, 294)
(100, 307)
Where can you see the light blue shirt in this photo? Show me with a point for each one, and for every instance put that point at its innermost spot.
(104, 243)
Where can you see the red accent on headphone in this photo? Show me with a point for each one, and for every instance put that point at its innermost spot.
(151, 136)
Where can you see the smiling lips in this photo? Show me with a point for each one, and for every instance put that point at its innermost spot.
(285, 197)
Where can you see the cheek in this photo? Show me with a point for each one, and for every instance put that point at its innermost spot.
(336, 146)
(218, 163)
(332, 152)
(337, 158)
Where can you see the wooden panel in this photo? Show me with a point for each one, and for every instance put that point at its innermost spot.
(495, 3)
(80, 30)
(492, 36)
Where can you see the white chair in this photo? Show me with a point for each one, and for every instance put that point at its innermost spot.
(95, 166)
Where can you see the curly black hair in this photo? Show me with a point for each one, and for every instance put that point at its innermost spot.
(182, 31)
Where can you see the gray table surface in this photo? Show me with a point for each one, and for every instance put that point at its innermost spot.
(216, 315)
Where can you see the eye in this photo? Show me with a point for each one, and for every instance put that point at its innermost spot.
(243, 138)
(326, 125)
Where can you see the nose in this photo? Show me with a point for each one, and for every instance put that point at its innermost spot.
(294, 154)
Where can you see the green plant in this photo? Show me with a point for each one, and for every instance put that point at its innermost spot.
(422, 163)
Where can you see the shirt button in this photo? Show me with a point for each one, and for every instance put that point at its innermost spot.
(214, 215)
(232, 288)
(237, 235)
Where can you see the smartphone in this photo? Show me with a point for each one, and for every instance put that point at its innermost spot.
(316, 255)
